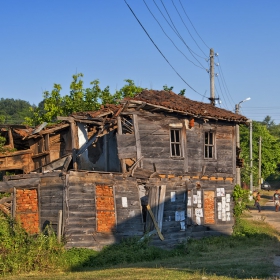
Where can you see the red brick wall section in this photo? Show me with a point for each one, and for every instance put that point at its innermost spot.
(27, 210)
(105, 209)
(209, 207)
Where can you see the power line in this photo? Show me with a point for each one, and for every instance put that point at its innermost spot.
(159, 49)
(187, 28)
(222, 92)
(224, 81)
(169, 37)
(177, 33)
(192, 24)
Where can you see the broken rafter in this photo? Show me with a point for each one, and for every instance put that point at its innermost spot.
(141, 106)
(90, 122)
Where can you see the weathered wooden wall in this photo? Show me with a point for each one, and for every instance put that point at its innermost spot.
(194, 208)
(154, 134)
(51, 197)
(225, 151)
(85, 211)
(102, 208)
(21, 160)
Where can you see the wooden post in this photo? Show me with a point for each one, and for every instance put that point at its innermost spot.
(11, 140)
(153, 201)
(74, 143)
(123, 165)
(161, 205)
(47, 147)
(106, 152)
(137, 139)
(59, 225)
(14, 202)
(260, 162)
(155, 222)
(212, 78)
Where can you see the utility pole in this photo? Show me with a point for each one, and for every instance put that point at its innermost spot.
(212, 78)
(238, 180)
(237, 109)
(260, 162)
(251, 156)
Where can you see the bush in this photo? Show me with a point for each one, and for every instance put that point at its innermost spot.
(21, 252)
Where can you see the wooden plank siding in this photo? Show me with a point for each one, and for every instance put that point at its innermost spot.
(50, 200)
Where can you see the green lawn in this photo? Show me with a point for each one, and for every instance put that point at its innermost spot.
(248, 255)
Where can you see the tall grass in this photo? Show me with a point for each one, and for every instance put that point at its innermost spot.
(247, 253)
(21, 252)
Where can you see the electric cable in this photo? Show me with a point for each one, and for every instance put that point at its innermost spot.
(187, 28)
(222, 75)
(159, 49)
(222, 93)
(192, 24)
(180, 37)
(169, 37)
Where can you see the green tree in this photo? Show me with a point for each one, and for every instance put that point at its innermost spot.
(128, 90)
(270, 155)
(13, 111)
(80, 99)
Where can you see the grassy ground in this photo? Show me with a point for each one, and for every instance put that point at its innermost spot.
(247, 255)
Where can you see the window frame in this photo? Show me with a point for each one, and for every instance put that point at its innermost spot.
(177, 144)
(209, 146)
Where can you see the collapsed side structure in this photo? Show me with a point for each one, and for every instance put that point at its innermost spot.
(156, 163)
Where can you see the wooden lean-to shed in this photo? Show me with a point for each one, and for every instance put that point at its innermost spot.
(158, 163)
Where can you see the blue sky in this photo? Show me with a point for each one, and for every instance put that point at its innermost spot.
(46, 42)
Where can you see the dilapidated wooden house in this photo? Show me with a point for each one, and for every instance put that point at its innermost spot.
(156, 163)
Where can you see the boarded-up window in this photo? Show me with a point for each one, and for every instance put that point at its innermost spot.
(209, 207)
(175, 142)
(105, 209)
(27, 209)
(209, 144)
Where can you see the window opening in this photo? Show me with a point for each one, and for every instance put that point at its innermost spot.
(209, 145)
(175, 142)
(127, 125)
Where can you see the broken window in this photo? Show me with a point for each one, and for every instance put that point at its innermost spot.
(209, 144)
(127, 124)
(175, 143)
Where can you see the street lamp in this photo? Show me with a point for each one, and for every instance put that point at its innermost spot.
(237, 107)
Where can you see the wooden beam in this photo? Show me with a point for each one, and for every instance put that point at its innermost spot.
(47, 147)
(68, 119)
(161, 205)
(141, 106)
(6, 199)
(11, 140)
(91, 122)
(123, 165)
(74, 144)
(87, 144)
(41, 155)
(137, 139)
(66, 163)
(155, 223)
(8, 186)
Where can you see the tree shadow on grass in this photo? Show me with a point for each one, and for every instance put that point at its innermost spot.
(243, 256)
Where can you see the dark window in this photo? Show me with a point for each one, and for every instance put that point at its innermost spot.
(175, 142)
(209, 145)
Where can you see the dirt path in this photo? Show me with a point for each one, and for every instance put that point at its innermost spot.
(267, 213)
(271, 217)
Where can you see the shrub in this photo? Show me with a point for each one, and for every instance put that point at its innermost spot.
(21, 252)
